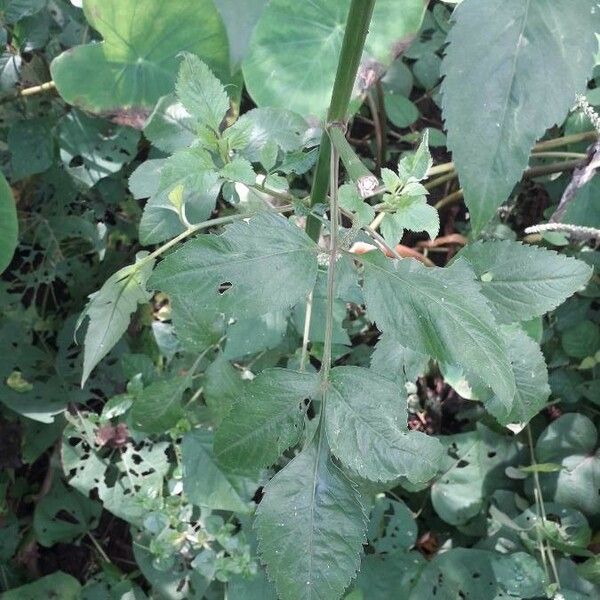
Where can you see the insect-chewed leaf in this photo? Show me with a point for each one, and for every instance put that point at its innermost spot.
(269, 263)
(506, 83)
(440, 313)
(523, 282)
(311, 525)
(109, 311)
(265, 420)
(366, 423)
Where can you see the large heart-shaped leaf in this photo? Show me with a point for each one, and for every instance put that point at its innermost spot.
(295, 48)
(136, 64)
(506, 83)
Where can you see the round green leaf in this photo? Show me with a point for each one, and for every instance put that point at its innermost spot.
(582, 340)
(137, 62)
(400, 110)
(295, 48)
(9, 226)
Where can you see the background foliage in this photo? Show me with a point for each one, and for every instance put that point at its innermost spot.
(167, 426)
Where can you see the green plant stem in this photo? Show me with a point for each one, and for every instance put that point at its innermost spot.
(306, 332)
(334, 218)
(357, 27)
(207, 225)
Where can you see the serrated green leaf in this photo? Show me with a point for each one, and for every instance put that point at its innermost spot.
(416, 164)
(204, 482)
(109, 311)
(223, 385)
(158, 406)
(366, 423)
(349, 199)
(265, 420)
(531, 379)
(201, 93)
(396, 362)
(270, 263)
(414, 214)
(506, 83)
(473, 467)
(137, 61)
(311, 525)
(523, 281)
(440, 313)
(170, 127)
(8, 223)
(239, 170)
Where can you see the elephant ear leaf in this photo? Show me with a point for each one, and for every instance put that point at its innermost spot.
(9, 226)
(137, 61)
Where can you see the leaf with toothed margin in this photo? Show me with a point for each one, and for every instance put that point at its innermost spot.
(522, 282)
(440, 313)
(506, 83)
(367, 429)
(265, 420)
(109, 311)
(268, 263)
(136, 63)
(311, 526)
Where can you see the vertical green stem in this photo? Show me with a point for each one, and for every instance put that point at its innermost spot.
(357, 27)
(334, 217)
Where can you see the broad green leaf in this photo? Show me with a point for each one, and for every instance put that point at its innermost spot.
(170, 127)
(223, 385)
(581, 340)
(109, 311)
(201, 93)
(15, 10)
(295, 48)
(239, 170)
(506, 83)
(257, 587)
(8, 223)
(349, 199)
(522, 281)
(366, 423)
(205, 483)
(531, 379)
(440, 313)
(137, 61)
(392, 526)
(571, 441)
(268, 262)
(311, 525)
(57, 585)
(92, 149)
(473, 467)
(481, 575)
(196, 328)
(158, 406)
(31, 147)
(63, 514)
(240, 20)
(396, 362)
(390, 573)
(265, 420)
(400, 110)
